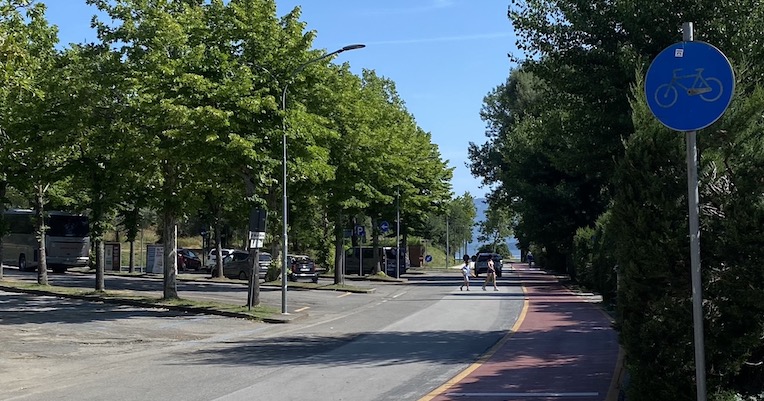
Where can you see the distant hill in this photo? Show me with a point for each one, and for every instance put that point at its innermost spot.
(481, 206)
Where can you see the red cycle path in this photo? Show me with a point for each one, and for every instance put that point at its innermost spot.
(563, 349)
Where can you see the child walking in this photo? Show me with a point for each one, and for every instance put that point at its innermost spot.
(466, 273)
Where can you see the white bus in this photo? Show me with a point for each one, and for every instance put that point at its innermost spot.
(67, 240)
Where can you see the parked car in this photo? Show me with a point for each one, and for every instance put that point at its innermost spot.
(265, 263)
(301, 266)
(481, 263)
(236, 265)
(188, 260)
(212, 257)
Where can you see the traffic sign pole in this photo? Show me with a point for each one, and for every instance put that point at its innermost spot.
(693, 202)
(697, 298)
(688, 87)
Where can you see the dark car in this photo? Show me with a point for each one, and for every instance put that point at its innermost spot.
(188, 260)
(481, 263)
(301, 266)
(236, 265)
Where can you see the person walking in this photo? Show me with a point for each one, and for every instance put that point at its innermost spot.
(466, 273)
(490, 276)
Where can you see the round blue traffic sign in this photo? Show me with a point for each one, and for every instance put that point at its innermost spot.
(384, 226)
(428, 258)
(689, 85)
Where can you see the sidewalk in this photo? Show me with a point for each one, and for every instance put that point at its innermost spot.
(562, 347)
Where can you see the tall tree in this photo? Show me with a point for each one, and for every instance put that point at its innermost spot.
(163, 45)
(650, 225)
(34, 149)
(496, 228)
(587, 52)
(94, 100)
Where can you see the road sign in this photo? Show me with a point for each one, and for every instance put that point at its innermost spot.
(360, 231)
(689, 85)
(256, 239)
(428, 258)
(384, 226)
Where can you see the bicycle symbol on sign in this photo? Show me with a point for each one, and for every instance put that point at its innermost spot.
(709, 89)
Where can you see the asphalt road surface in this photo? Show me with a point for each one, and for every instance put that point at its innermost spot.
(397, 343)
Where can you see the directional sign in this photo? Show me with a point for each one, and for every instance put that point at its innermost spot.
(428, 258)
(689, 85)
(384, 226)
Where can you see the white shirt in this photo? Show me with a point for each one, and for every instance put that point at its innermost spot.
(466, 270)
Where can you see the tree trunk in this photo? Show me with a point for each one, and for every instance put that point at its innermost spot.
(99, 281)
(42, 263)
(339, 268)
(3, 189)
(404, 247)
(132, 226)
(170, 256)
(253, 295)
(132, 257)
(218, 246)
(97, 229)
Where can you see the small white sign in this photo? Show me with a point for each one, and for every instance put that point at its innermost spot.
(256, 239)
(678, 53)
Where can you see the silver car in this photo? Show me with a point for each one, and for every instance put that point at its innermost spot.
(236, 265)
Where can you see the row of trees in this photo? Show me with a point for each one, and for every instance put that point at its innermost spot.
(597, 187)
(177, 107)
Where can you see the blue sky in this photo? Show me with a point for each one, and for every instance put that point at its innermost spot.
(443, 55)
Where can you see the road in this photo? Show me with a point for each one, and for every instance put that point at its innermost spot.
(397, 343)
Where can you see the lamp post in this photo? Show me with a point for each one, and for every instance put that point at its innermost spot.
(397, 233)
(284, 258)
(448, 253)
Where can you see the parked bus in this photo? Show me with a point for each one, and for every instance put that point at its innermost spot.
(355, 264)
(67, 240)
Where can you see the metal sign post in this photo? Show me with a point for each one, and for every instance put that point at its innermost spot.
(688, 87)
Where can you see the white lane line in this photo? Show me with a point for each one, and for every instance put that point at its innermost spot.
(344, 295)
(302, 309)
(525, 395)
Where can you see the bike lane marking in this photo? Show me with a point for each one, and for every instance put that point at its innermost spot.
(549, 347)
(485, 357)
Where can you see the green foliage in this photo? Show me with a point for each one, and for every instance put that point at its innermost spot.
(529, 165)
(594, 258)
(496, 228)
(581, 142)
(456, 217)
(501, 249)
(649, 222)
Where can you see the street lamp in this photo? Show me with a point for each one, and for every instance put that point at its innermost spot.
(284, 258)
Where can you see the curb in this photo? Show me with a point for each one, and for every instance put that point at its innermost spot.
(277, 319)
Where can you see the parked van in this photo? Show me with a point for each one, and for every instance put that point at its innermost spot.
(361, 260)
